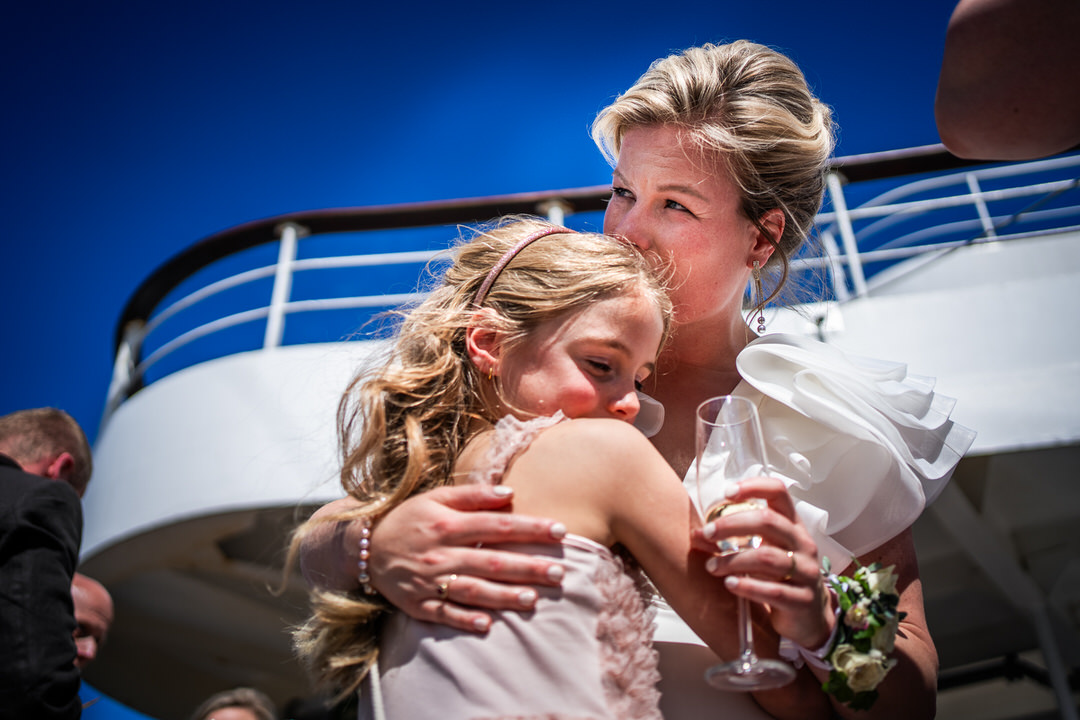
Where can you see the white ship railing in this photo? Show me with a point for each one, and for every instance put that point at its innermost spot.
(889, 210)
(863, 230)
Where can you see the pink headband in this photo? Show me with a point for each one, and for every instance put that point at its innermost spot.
(508, 256)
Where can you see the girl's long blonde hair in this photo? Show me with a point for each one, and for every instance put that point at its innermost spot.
(402, 426)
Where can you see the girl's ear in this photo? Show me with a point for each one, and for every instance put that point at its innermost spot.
(483, 342)
(762, 250)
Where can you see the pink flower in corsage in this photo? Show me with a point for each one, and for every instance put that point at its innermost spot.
(859, 657)
(858, 615)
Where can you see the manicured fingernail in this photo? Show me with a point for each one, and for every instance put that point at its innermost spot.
(711, 564)
(558, 531)
(555, 573)
(731, 582)
(502, 491)
(708, 531)
(731, 490)
(527, 598)
(482, 623)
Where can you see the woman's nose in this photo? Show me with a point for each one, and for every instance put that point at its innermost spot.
(627, 223)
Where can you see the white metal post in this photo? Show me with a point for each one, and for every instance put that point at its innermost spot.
(555, 210)
(980, 205)
(275, 319)
(123, 377)
(847, 234)
(832, 254)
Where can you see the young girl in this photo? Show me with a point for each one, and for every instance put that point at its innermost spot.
(522, 369)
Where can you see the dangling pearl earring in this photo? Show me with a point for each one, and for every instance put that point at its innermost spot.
(760, 298)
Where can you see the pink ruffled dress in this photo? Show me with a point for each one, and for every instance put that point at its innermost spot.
(584, 653)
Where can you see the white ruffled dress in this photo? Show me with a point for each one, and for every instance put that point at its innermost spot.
(862, 445)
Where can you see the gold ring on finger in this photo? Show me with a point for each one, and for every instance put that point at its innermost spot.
(444, 587)
(791, 570)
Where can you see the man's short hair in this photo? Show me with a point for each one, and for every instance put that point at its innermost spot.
(241, 697)
(29, 435)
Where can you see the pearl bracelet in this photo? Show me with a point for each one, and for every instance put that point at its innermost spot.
(365, 552)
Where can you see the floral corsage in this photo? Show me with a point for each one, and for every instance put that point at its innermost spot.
(858, 658)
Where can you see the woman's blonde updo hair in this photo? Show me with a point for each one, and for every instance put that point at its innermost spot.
(749, 107)
(402, 426)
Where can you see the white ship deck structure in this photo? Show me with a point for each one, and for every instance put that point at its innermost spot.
(219, 427)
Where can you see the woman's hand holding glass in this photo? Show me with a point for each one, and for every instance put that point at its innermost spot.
(790, 586)
(730, 449)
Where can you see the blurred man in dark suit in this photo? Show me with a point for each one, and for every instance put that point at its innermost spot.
(40, 532)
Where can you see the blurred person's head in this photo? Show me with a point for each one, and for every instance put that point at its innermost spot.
(48, 442)
(237, 704)
(93, 616)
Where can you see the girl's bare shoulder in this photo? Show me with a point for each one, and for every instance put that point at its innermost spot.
(586, 472)
(596, 434)
(596, 444)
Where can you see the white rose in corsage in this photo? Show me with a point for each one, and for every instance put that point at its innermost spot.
(869, 620)
(862, 671)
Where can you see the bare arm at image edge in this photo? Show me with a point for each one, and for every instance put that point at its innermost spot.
(1009, 87)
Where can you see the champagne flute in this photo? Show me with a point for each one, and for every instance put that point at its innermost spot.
(729, 449)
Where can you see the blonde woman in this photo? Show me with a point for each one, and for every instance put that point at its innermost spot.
(719, 159)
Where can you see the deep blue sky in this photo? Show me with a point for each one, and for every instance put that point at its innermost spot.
(130, 130)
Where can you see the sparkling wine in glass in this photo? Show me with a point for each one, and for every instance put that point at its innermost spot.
(730, 449)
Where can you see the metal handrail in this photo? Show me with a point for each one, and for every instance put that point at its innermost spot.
(339, 220)
(854, 168)
(891, 208)
(142, 315)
